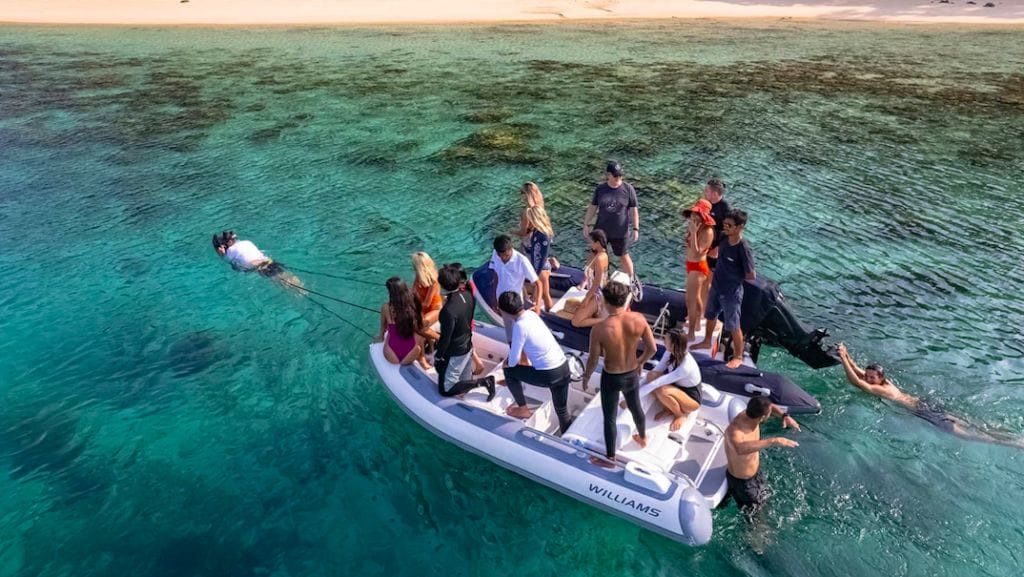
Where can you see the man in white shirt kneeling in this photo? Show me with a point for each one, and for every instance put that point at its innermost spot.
(548, 366)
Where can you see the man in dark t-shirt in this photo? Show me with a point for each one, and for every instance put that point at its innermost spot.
(614, 204)
(455, 345)
(714, 192)
(735, 265)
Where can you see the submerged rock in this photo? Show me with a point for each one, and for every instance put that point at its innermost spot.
(194, 353)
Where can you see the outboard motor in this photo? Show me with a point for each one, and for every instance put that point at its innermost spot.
(766, 319)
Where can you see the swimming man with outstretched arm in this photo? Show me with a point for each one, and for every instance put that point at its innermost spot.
(871, 379)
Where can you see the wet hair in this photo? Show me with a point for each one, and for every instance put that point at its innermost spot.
(758, 407)
(224, 240)
(449, 277)
(716, 185)
(502, 243)
(877, 368)
(426, 270)
(738, 217)
(532, 194)
(405, 311)
(538, 219)
(462, 271)
(597, 235)
(615, 294)
(510, 303)
(675, 347)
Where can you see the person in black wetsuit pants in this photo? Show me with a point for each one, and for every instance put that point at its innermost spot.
(548, 366)
(454, 349)
(616, 339)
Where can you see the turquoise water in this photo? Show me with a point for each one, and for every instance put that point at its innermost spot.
(164, 415)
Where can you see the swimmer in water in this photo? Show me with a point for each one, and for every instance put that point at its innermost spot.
(871, 379)
(243, 255)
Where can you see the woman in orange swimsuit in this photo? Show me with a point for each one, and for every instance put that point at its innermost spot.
(700, 233)
(426, 287)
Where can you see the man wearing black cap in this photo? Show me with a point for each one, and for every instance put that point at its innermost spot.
(615, 205)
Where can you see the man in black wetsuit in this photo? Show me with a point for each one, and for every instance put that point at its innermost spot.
(616, 339)
(454, 349)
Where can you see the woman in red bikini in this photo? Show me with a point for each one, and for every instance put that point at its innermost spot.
(700, 233)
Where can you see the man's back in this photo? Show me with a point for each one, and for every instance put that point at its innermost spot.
(619, 335)
(456, 324)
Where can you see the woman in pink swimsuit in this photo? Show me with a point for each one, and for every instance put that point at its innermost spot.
(401, 325)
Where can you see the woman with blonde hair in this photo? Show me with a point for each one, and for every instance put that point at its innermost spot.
(540, 246)
(426, 287)
(532, 196)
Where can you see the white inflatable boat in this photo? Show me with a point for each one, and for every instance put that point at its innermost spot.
(670, 487)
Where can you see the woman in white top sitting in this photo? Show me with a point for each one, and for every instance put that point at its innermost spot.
(677, 377)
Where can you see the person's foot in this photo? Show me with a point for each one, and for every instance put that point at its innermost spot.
(642, 441)
(677, 423)
(637, 288)
(662, 414)
(478, 368)
(489, 383)
(424, 364)
(518, 412)
(602, 462)
(705, 344)
(734, 363)
(691, 336)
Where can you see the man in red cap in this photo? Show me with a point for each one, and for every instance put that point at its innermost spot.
(700, 233)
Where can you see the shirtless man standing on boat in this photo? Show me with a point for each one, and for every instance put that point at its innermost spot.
(743, 444)
(871, 379)
(616, 339)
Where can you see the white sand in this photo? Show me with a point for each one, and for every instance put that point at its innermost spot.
(403, 11)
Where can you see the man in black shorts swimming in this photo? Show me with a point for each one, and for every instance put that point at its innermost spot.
(871, 379)
(743, 444)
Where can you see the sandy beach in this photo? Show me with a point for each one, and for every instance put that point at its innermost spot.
(265, 12)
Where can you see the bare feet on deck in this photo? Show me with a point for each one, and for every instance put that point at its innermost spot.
(677, 423)
(734, 363)
(662, 414)
(705, 344)
(478, 367)
(642, 441)
(424, 363)
(602, 462)
(518, 412)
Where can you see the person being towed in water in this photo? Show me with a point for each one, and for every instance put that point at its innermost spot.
(871, 379)
(243, 255)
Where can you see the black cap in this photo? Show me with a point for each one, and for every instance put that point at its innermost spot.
(614, 168)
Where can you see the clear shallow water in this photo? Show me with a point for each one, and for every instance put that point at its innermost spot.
(164, 415)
